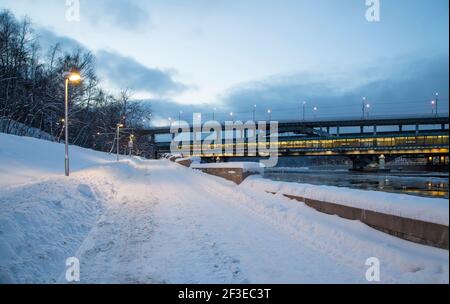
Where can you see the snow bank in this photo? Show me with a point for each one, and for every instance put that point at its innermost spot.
(41, 225)
(25, 159)
(420, 208)
(245, 166)
(182, 159)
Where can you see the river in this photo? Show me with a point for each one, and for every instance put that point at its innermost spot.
(414, 183)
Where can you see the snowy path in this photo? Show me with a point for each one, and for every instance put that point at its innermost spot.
(225, 243)
(143, 221)
(167, 224)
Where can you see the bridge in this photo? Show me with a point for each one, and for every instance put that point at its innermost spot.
(362, 140)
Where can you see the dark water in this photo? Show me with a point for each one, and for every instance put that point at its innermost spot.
(419, 184)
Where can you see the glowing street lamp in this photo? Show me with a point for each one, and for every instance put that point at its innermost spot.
(72, 77)
(254, 112)
(436, 103)
(368, 109)
(433, 106)
(119, 125)
(315, 112)
(269, 112)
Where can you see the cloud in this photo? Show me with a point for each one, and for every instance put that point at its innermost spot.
(128, 15)
(118, 71)
(396, 86)
(48, 39)
(126, 72)
(393, 86)
(163, 108)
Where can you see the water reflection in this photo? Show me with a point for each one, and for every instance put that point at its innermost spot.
(419, 184)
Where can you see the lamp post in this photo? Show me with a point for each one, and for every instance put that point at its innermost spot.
(368, 110)
(119, 125)
(315, 112)
(179, 118)
(436, 106)
(363, 108)
(73, 77)
(232, 116)
(130, 144)
(303, 110)
(433, 105)
(254, 112)
(269, 112)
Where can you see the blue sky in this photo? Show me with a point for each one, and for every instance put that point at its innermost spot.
(197, 55)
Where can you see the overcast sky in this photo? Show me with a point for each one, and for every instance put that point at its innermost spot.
(197, 55)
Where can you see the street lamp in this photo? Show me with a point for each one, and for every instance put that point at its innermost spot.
(436, 105)
(254, 112)
(433, 105)
(315, 112)
(363, 108)
(179, 118)
(232, 114)
(269, 112)
(119, 125)
(73, 77)
(130, 144)
(303, 112)
(368, 109)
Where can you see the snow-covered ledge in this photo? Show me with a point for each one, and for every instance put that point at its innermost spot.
(233, 171)
(418, 219)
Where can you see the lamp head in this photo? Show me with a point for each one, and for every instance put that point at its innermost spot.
(72, 76)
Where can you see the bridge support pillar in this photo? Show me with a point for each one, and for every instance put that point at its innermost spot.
(443, 127)
(362, 129)
(338, 130)
(400, 128)
(417, 129)
(375, 130)
(369, 163)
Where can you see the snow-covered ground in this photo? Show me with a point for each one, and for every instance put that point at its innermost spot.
(434, 210)
(141, 221)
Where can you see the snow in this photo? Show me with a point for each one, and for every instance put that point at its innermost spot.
(26, 159)
(153, 221)
(245, 166)
(432, 210)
